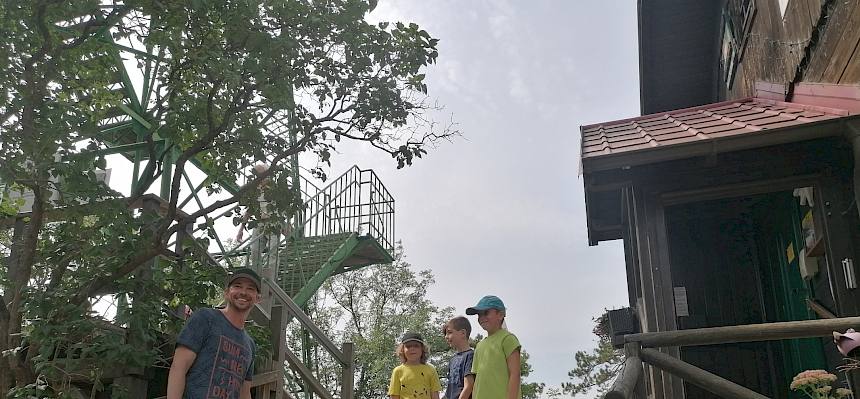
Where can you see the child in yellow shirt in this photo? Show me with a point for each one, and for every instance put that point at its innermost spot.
(414, 378)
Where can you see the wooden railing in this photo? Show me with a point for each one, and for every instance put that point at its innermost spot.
(344, 355)
(638, 349)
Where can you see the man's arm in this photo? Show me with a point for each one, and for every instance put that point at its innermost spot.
(514, 374)
(246, 390)
(434, 395)
(468, 382)
(183, 358)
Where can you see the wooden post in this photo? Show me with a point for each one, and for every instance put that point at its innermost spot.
(278, 327)
(347, 383)
(701, 378)
(268, 268)
(626, 383)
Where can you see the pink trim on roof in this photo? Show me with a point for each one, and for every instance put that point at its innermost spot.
(846, 97)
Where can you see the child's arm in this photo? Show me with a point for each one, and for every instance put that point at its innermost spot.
(394, 384)
(434, 395)
(514, 374)
(468, 382)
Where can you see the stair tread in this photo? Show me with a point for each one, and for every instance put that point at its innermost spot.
(304, 258)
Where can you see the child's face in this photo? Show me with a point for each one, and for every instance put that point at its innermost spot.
(413, 351)
(455, 338)
(490, 319)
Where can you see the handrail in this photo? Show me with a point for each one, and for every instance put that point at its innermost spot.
(744, 333)
(705, 380)
(638, 346)
(306, 321)
(625, 384)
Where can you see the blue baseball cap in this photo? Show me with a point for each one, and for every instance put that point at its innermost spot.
(487, 302)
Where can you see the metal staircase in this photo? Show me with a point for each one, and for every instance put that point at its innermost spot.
(344, 226)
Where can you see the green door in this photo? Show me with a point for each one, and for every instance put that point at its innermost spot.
(784, 288)
(732, 258)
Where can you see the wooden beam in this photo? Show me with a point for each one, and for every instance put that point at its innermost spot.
(701, 378)
(306, 321)
(745, 333)
(624, 386)
(819, 309)
(347, 382)
(266, 378)
(299, 367)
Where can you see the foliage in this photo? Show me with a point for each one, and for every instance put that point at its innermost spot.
(374, 306)
(598, 368)
(224, 84)
(816, 385)
(530, 390)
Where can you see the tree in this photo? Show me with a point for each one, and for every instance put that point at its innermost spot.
(378, 304)
(531, 390)
(225, 84)
(597, 369)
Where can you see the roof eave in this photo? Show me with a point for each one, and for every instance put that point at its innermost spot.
(764, 138)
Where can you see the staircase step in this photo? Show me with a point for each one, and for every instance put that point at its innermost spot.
(304, 257)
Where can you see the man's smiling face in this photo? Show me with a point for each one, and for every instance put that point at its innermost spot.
(242, 294)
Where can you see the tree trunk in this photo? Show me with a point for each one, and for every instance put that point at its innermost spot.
(21, 260)
(6, 380)
(362, 384)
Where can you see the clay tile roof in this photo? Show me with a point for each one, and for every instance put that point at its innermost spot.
(699, 124)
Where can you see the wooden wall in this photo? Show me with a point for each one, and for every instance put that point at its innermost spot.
(815, 41)
(835, 58)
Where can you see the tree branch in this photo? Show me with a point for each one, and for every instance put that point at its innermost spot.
(95, 285)
(103, 24)
(298, 147)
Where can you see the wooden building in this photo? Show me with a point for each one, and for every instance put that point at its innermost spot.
(736, 192)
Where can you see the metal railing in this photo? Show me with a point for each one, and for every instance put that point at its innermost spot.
(355, 202)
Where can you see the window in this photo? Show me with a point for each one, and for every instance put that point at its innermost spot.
(737, 22)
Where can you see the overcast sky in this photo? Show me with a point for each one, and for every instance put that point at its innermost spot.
(501, 211)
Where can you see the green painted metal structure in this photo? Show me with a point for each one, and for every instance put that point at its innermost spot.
(355, 211)
(346, 225)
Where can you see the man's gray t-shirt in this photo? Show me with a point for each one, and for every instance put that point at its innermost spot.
(458, 368)
(225, 356)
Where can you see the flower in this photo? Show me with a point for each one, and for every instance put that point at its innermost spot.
(843, 393)
(816, 385)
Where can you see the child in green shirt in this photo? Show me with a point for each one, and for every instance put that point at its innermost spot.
(496, 365)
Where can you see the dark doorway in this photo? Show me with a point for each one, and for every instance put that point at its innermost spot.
(737, 262)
